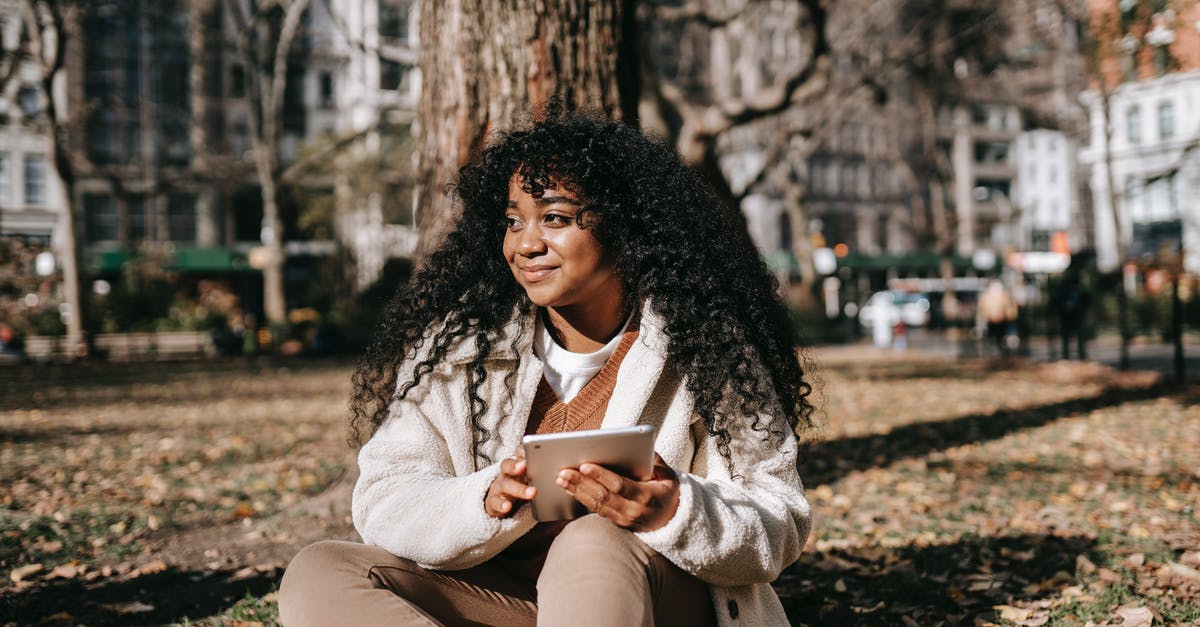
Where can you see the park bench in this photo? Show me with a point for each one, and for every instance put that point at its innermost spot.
(129, 346)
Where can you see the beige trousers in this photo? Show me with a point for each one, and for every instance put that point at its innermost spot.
(595, 574)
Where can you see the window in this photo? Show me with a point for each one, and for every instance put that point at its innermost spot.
(5, 175)
(181, 218)
(35, 180)
(393, 21)
(1053, 174)
(1133, 119)
(137, 218)
(237, 81)
(1166, 120)
(100, 216)
(30, 101)
(326, 90)
(391, 75)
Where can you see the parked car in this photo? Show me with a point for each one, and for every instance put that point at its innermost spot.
(911, 308)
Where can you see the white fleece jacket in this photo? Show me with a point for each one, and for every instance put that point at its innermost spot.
(420, 496)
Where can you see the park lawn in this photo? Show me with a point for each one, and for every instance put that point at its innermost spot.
(948, 491)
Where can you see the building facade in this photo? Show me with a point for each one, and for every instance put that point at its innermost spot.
(31, 195)
(1144, 142)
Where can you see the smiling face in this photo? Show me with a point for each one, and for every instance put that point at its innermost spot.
(560, 265)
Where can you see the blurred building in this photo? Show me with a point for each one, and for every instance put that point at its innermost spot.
(31, 197)
(856, 168)
(378, 90)
(1046, 195)
(159, 120)
(1145, 129)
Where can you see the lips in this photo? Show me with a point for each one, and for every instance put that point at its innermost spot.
(533, 274)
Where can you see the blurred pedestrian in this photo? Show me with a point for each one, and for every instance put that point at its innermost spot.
(1071, 300)
(996, 313)
(588, 264)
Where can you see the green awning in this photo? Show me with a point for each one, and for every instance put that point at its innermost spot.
(185, 259)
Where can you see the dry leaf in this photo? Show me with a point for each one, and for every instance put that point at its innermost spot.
(66, 571)
(133, 607)
(1008, 612)
(151, 568)
(1136, 616)
(22, 573)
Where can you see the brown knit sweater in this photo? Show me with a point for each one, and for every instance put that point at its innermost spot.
(526, 555)
(586, 410)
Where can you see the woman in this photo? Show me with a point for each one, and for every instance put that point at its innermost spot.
(591, 282)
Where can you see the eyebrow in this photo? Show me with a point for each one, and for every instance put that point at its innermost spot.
(549, 200)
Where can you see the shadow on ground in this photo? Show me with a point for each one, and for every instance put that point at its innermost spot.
(954, 582)
(162, 598)
(824, 462)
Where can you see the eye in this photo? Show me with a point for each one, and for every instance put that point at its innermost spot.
(558, 219)
(512, 223)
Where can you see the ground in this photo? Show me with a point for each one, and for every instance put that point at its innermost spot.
(944, 491)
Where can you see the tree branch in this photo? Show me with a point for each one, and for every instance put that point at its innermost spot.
(694, 12)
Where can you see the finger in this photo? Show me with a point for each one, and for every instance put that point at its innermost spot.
(514, 489)
(597, 498)
(610, 480)
(513, 467)
(498, 505)
(520, 452)
(662, 470)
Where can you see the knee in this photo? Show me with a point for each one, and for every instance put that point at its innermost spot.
(593, 537)
(308, 573)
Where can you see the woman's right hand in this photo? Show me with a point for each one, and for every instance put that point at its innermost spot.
(510, 488)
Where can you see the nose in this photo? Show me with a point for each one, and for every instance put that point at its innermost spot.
(531, 242)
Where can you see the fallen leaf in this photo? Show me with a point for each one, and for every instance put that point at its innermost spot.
(150, 568)
(42, 546)
(21, 573)
(839, 585)
(1187, 572)
(1135, 616)
(66, 571)
(1008, 612)
(133, 607)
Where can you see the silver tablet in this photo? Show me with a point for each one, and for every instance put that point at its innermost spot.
(628, 451)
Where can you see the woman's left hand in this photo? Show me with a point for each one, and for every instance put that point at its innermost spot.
(628, 503)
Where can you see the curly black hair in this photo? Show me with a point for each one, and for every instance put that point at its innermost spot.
(674, 243)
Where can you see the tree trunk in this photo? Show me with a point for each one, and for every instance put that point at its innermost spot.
(487, 65)
(63, 29)
(1122, 297)
(800, 294)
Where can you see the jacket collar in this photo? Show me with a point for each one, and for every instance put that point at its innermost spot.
(521, 327)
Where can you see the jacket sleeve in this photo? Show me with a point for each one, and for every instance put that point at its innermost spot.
(737, 530)
(409, 501)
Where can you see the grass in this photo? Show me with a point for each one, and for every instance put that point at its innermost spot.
(941, 489)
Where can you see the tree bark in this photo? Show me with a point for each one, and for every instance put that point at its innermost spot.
(1118, 236)
(50, 26)
(489, 65)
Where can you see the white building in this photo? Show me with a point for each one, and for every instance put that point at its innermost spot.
(1155, 161)
(1045, 197)
(31, 197)
(379, 87)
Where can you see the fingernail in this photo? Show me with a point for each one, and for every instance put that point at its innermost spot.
(528, 493)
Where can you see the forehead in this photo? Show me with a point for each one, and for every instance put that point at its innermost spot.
(539, 185)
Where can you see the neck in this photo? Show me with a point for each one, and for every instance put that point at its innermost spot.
(587, 329)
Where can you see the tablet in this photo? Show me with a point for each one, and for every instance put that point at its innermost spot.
(628, 451)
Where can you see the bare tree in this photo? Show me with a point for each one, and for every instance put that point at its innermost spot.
(485, 64)
(48, 26)
(265, 33)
